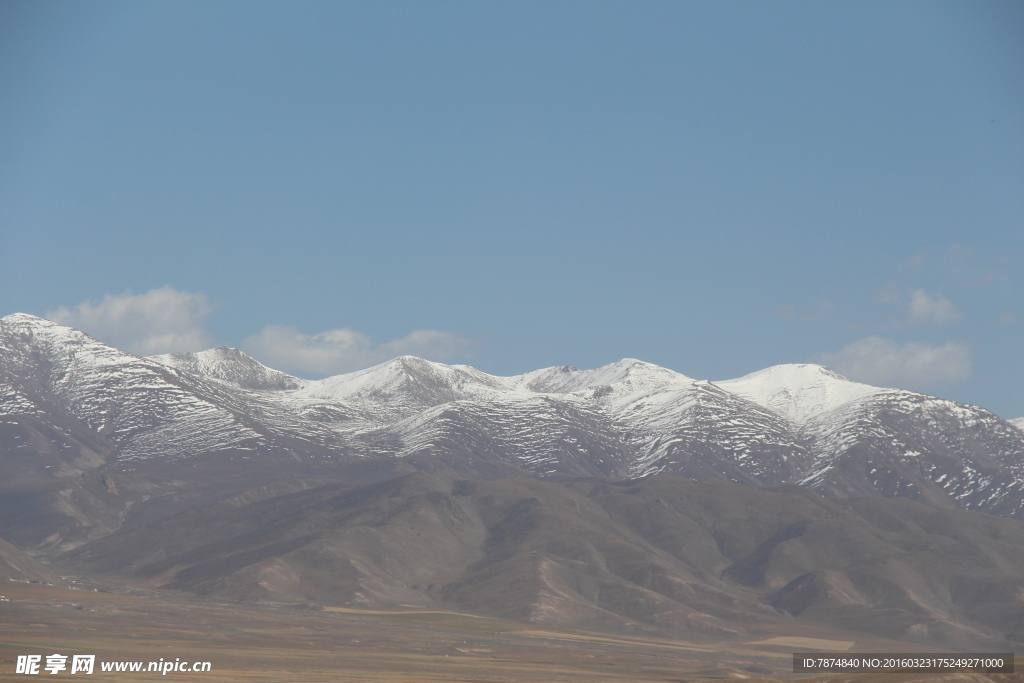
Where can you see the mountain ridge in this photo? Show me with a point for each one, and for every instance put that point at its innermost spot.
(114, 413)
(628, 497)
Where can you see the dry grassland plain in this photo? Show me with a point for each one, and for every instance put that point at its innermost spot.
(285, 644)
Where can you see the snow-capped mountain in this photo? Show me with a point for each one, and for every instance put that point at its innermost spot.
(144, 407)
(868, 440)
(798, 393)
(786, 424)
(230, 365)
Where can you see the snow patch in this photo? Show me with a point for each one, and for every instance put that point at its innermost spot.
(798, 393)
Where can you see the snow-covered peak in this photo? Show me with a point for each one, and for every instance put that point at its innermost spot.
(410, 383)
(409, 375)
(26, 324)
(1018, 423)
(628, 376)
(24, 319)
(27, 340)
(230, 365)
(636, 374)
(798, 392)
(148, 408)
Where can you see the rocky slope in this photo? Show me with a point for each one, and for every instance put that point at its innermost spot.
(663, 555)
(72, 407)
(559, 496)
(787, 424)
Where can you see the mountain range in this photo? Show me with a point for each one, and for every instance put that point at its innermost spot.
(72, 405)
(560, 495)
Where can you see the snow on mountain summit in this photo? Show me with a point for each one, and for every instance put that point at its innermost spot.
(629, 375)
(146, 407)
(230, 365)
(798, 392)
(435, 383)
(784, 424)
(40, 330)
(405, 385)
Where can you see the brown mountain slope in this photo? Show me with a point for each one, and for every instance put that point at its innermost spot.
(16, 565)
(663, 554)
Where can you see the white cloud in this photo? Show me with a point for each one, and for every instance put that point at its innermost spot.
(916, 308)
(884, 362)
(160, 321)
(344, 350)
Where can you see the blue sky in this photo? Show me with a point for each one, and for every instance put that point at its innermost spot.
(710, 186)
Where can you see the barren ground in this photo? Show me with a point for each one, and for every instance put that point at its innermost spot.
(281, 644)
